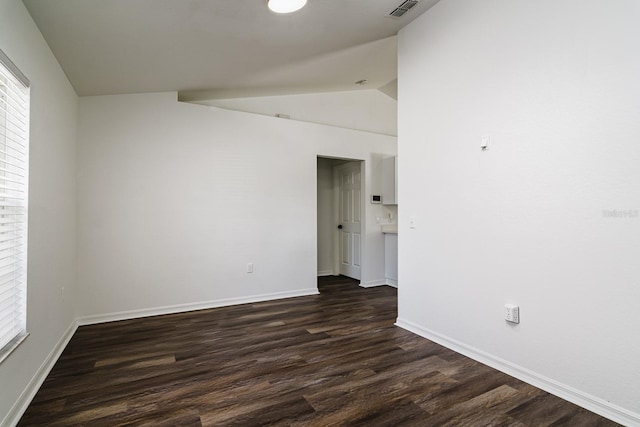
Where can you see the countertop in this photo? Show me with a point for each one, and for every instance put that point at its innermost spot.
(389, 228)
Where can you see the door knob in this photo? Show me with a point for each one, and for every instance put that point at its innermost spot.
(340, 227)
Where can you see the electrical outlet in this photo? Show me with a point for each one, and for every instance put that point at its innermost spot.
(512, 313)
(250, 267)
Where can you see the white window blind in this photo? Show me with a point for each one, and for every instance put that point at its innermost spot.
(14, 174)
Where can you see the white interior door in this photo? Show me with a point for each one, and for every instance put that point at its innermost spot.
(350, 219)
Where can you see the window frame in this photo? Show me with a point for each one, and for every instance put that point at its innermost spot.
(15, 90)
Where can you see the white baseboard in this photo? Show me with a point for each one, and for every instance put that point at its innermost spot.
(580, 398)
(325, 273)
(181, 308)
(18, 409)
(381, 282)
(372, 283)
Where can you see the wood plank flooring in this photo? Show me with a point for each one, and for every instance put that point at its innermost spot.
(326, 360)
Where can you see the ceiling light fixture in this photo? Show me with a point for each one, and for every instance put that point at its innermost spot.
(285, 6)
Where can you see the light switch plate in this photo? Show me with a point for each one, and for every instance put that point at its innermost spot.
(484, 142)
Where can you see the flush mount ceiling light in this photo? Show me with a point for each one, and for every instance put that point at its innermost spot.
(285, 6)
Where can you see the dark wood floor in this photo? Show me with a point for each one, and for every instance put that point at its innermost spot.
(326, 360)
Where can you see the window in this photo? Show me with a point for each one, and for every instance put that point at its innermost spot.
(14, 174)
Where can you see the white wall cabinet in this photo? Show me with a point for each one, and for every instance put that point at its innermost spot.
(390, 181)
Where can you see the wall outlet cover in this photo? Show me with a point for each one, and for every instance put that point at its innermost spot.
(512, 313)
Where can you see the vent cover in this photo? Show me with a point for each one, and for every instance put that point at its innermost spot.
(405, 7)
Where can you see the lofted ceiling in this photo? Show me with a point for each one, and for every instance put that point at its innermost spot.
(209, 49)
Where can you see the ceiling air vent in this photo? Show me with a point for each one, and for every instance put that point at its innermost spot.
(405, 7)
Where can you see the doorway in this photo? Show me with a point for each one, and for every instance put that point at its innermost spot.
(339, 219)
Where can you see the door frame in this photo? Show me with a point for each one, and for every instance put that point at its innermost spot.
(364, 187)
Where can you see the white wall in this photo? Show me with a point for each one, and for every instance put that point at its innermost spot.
(51, 262)
(555, 84)
(175, 199)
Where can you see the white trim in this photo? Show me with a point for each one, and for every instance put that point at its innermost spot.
(373, 283)
(392, 282)
(29, 392)
(4, 59)
(580, 398)
(13, 344)
(181, 308)
(325, 273)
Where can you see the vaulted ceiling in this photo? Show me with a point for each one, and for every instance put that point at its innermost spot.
(221, 48)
